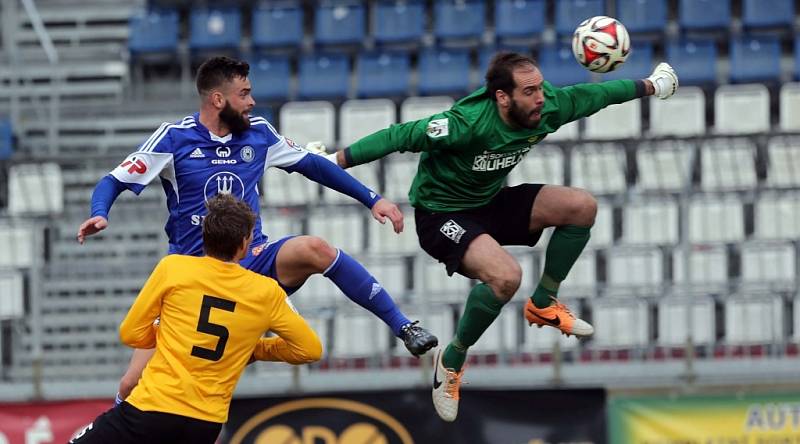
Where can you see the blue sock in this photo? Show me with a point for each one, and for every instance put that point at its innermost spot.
(358, 285)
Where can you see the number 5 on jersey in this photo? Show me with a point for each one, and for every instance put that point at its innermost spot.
(204, 326)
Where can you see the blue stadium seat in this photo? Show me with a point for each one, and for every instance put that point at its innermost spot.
(695, 60)
(155, 30)
(265, 112)
(459, 19)
(383, 74)
(696, 15)
(6, 139)
(570, 13)
(269, 77)
(398, 21)
(559, 66)
(340, 23)
(797, 57)
(755, 59)
(275, 26)
(519, 18)
(778, 13)
(642, 15)
(487, 52)
(215, 28)
(324, 76)
(443, 71)
(638, 65)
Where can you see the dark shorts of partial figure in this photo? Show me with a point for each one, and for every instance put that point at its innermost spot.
(446, 236)
(125, 424)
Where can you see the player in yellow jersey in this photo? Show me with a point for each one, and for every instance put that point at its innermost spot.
(213, 313)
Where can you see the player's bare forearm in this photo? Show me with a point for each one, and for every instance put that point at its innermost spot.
(341, 160)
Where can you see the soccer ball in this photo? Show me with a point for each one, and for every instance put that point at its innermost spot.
(601, 44)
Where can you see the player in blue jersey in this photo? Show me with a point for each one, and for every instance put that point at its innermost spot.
(223, 149)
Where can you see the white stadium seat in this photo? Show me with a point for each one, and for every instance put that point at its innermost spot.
(673, 320)
(543, 164)
(12, 295)
(635, 267)
(778, 216)
(582, 278)
(569, 131)
(769, 263)
(436, 285)
(359, 335)
(715, 220)
(663, 166)
(684, 114)
(790, 107)
(18, 246)
(753, 319)
(383, 239)
(620, 322)
(602, 234)
(389, 272)
(728, 164)
(282, 188)
(599, 168)
(35, 189)
(501, 335)
(277, 225)
(400, 169)
(741, 109)
(359, 118)
(623, 121)
(416, 108)
(342, 229)
(783, 169)
(650, 222)
(306, 122)
(367, 174)
(709, 265)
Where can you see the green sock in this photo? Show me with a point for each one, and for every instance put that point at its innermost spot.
(480, 311)
(565, 246)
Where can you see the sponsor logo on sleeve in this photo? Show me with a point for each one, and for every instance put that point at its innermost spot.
(437, 128)
(134, 165)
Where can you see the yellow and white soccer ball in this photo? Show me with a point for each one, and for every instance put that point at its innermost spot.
(601, 44)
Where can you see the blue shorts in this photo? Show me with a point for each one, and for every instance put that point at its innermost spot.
(262, 261)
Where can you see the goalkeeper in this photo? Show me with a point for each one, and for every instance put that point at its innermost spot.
(464, 214)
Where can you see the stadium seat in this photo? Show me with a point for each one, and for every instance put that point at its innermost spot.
(790, 107)
(383, 240)
(603, 228)
(599, 167)
(663, 166)
(324, 76)
(741, 109)
(708, 266)
(777, 13)
(559, 67)
(359, 336)
(6, 139)
(382, 74)
(436, 285)
(306, 122)
(12, 295)
(443, 71)
(341, 227)
(635, 267)
(458, 19)
(340, 23)
(277, 26)
(269, 77)
(642, 15)
(620, 323)
(570, 14)
(153, 30)
(501, 335)
(639, 64)
(400, 170)
(359, 118)
(398, 21)
(569, 131)
(18, 246)
(695, 60)
(728, 164)
(700, 15)
(415, 108)
(673, 320)
(544, 164)
(783, 167)
(755, 59)
(389, 271)
(35, 189)
(315, 293)
(778, 216)
(651, 223)
(275, 223)
(582, 279)
(215, 28)
(684, 114)
(622, 121)
(769, 264)
(282, 189)
(751, 319)
(716, 220)
(519, 18)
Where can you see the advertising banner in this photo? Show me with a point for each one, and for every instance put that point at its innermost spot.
(406, 417)
(748, 419)
(47, 422)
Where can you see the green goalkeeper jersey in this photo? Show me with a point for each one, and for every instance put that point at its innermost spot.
(468, 150)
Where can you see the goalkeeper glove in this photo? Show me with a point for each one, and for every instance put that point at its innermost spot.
(319, 149)
(664, 80)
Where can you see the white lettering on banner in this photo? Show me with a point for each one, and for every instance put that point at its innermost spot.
(40, 432)
(3, 438)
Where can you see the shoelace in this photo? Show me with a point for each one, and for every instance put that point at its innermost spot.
(412, 330)
(453, 383)
(559, 306)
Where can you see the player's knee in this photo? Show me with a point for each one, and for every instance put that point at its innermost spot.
(505, 281)
(319, 252)
(583, 208)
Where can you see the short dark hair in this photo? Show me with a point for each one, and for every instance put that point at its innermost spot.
(500, 75)
(229, 221)
(218, 70)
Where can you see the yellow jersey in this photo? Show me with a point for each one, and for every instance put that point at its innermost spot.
(212, 316)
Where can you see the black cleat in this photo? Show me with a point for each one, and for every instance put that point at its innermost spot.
(417, 339)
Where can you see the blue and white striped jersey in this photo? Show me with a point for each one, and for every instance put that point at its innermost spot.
(195, 164)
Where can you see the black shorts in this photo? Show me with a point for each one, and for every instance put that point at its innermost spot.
(125, 424)
(446, 236)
